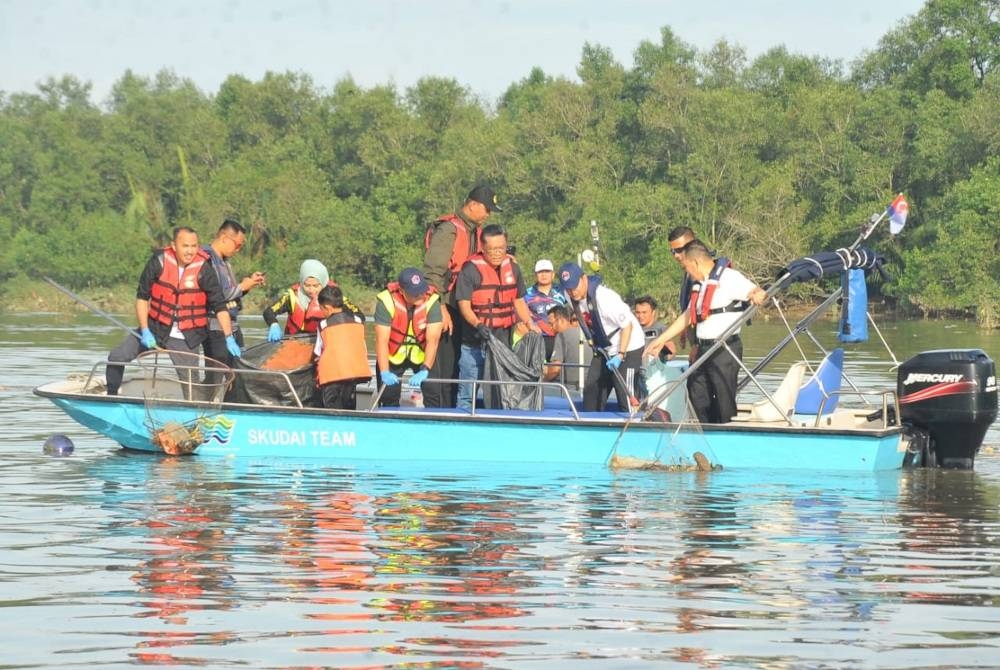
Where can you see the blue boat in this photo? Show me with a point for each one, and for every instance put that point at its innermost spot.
(552, 436)
(817, 419)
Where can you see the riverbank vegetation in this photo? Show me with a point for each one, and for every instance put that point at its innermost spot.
(766, 159)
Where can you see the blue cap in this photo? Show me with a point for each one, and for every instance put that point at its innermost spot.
(413, 282)
(569, 275)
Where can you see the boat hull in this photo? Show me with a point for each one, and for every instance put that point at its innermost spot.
(240, 431)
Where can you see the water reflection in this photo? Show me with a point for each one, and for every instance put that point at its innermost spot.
(177, 517)
(949, 539)
(106, 560)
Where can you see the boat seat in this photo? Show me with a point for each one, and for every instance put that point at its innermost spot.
(822, 391)
(784, 397)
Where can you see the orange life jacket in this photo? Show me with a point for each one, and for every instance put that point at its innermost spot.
(406, 328)
(303, 320)
(493, 301)
(179, 298)
(345, 356)
(461, 250)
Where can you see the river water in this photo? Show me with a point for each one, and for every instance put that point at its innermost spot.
(109, 559)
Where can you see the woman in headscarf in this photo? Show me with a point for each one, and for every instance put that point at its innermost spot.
(299, 302)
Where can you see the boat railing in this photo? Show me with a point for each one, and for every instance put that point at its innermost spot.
(152, 376)
(886, 414)
(561, 389)
(153, 372)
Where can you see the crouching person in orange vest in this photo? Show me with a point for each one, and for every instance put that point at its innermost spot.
(340, 352)
(408, 325)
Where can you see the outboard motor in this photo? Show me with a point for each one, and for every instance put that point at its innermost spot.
(951, 394)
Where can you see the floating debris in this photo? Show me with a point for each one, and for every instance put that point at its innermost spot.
(701, 464)
(58, 445)
(176, 439)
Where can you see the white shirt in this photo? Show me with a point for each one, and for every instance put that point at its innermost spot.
(733, 285)
(615, 315)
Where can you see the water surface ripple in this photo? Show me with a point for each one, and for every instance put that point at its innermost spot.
(109, 559)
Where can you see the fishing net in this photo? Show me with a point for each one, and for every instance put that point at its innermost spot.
(682, 446)
(171, 376)
(277, 373)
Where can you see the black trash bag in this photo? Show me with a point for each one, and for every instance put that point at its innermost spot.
(272, 389)
(522, 364)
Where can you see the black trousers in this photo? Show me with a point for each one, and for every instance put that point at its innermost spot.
(390, 397)
(629, 382)
(130, 348)
(446, 364)
(712, 387)
(340, 395)
(215, 348)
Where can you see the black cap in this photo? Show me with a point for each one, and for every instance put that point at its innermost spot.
(487, 196)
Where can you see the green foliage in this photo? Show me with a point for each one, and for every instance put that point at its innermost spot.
(766, 159)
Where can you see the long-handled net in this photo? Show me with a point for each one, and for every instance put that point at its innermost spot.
(682, 444)
(172, 376)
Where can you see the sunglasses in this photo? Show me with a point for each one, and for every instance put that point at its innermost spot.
(677, 251)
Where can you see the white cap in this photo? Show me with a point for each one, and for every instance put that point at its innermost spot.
(544, 264)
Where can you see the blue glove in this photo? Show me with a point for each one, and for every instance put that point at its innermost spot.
(274, 333)
(388, 377)
(614, 362)
(418, 378)
(485, 334)
(232, 346)
(147, 339)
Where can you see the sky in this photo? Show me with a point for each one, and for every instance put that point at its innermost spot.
(486, 45)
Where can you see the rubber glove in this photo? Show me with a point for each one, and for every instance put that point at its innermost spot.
(274, 333)
(388, 377)
(147, 338)
(232, 346)
(485, 334)
(614, 362)
(418, 378)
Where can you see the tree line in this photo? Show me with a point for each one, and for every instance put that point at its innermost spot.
(766, 159)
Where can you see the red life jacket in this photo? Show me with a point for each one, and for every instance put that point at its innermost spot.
(400, 327)
(179, 298)
(709, 285)
(493, 301)
(461, 250)
(303, 320)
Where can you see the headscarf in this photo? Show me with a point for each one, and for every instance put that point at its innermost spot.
(311, 268)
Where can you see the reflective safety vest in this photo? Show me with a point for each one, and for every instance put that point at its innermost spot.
(178, 296)
(303, 320)
(345, 356)
(408, 330)
(696, 316)
(493, 301)
(461, 250)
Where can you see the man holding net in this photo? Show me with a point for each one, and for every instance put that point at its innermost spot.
(177, 292)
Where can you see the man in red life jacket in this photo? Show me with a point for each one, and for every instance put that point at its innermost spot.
(450, 241)
(719, 296)
(490, 295)
(178, 291)
(407, 333)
